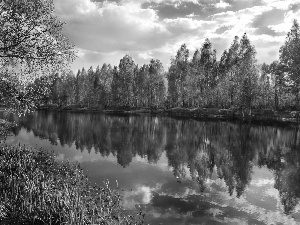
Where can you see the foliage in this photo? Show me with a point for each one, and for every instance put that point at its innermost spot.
(126, 86)
(290, 60)
(279, 80)
(178, 72)
(126, 75)
(247, 75)
(235, 81)
(156, 86)
(31, 44)
(31, 34)
(37, 189)
(5, 128)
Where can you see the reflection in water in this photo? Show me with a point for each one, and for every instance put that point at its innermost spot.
(195, 149)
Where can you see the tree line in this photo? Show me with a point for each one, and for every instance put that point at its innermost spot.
(234, 81)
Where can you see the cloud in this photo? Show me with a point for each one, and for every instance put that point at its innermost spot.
(288, 21)
(145, 55)
(155, 1)
(110, 27)
(87, 58)
(104, 31)
(241, 18)
(173, 11)
(262, 22)
(221, 29)
(222, 4)
(183, 25)
(112, 30)
(191, 15)
(280, 4)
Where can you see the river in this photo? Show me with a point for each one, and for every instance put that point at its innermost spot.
(179, 171)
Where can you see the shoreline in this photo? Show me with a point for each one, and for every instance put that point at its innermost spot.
(258, 116)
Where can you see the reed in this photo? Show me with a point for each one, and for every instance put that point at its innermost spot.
(35, 188)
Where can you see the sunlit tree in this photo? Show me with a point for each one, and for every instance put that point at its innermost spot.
(290, 59)
(31, 43)
(247, 75)
(177, 76)
(156, 83)
(126, 75)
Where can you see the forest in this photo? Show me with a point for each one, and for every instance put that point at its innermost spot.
(237, 81)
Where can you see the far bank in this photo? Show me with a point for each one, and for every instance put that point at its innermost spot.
(257, 116)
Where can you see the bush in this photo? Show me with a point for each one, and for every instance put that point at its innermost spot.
(37, 189)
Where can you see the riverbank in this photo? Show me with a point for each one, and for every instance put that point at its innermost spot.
(35, 188)
(258, 116)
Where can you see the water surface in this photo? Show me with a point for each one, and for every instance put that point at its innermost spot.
(180, 171)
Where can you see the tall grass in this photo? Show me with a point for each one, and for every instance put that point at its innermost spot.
(37, 189)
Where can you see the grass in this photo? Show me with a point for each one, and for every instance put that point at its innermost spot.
(35, 188)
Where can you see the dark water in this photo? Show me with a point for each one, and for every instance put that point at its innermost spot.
(180, 171)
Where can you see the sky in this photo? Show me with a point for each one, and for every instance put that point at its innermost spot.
(104, 31)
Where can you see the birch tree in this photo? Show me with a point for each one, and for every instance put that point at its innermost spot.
(31, 43)
(290, 59)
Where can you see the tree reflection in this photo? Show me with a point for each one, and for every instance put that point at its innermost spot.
(285, 162)
(193, 148)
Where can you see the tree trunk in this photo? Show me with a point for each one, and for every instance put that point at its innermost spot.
(276, 101)
(297, 99)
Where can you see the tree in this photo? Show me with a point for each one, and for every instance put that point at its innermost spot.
(177, 76)
(265, 87)
(68, 88)
(82, 86)
(156, 83)
(77, 87)
(290, 59)
(89, 87)
(116, 87)
(126, 75)
(228, 69)
(56, 88)
(202, 76)
(31, 34)
(208, 75)
(97, 88)
(207, 62)
(41, 88)
(31, 43)
(247, 75)
(105, 81)
(141, 82)
(277, 74)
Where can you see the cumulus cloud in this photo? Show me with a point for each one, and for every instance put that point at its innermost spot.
(123, 29)
(111, 27)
